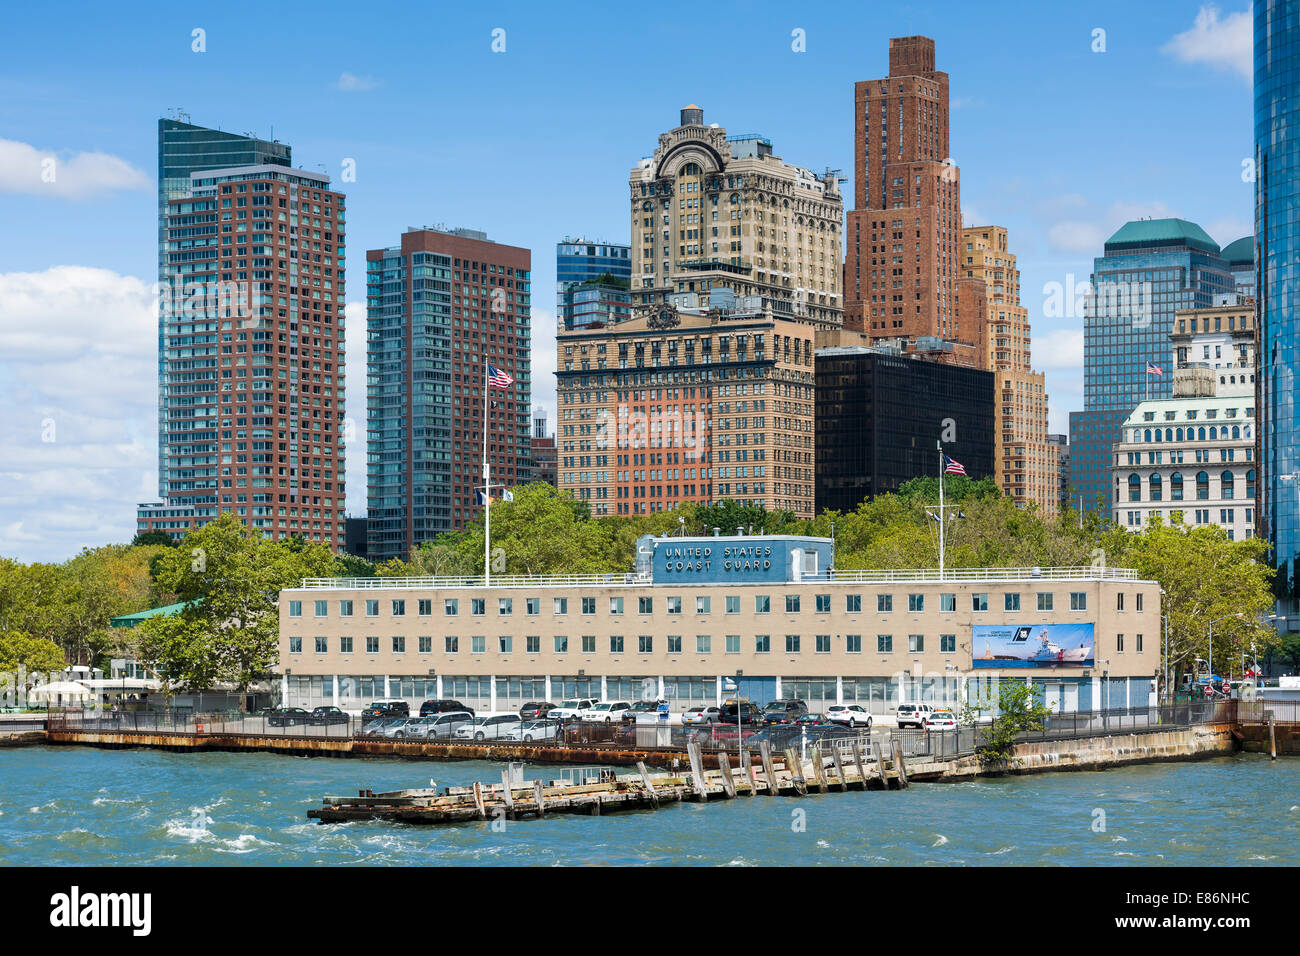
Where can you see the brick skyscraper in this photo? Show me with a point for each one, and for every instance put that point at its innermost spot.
(251, 350)
(901, 266)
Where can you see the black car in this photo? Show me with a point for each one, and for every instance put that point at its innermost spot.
(739, 711)
(536, 709)
(386, 708)
(784, 711)
(287, 717)
(432, 707)
(327, 715)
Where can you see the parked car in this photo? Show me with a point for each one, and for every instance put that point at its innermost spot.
(855, 715)
(288, 717)
(723, 735)
(568, 709)
(742, 710)
(784, 711)
(647, 707)
(530, 730)
(442, 707)
(811, 719)
(605, 711)
(535, 709)
(702, 715)
(328, 715)
(941, 720)
(487, 727)
(411, 727)
(913, 715)
(444, 725)
(380, 727)
(386, 708)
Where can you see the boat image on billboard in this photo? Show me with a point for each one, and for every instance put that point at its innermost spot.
(1032, 645)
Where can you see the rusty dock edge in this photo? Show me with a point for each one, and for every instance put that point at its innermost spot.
(784, 775)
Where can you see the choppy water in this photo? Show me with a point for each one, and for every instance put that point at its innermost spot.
(72, 805)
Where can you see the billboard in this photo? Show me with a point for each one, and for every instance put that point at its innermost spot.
(1032, 645)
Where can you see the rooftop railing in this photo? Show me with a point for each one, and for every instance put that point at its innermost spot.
(630, 579)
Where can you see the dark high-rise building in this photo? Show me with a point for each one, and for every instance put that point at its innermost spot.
(440, 307)
(1277, 228)
(1149, 269)
(879, 416)
(591, 283)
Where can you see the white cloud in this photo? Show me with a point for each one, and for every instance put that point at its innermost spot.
(26, 169)
(1226, 44)
(1072, 235)
(1058, 350)
(78, 413)
(352, 83)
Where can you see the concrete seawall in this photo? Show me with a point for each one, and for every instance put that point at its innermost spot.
(1100, 753)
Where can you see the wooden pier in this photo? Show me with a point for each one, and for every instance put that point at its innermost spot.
(765, 773)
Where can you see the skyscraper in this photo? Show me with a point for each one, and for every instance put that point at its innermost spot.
(591, 283)
(902, 265)
(1150, 268)
(251, 346)
(440, 306)
(1025, 463)
(1277, 226)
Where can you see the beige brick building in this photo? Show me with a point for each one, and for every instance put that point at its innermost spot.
(1025, 462)
(700, 618)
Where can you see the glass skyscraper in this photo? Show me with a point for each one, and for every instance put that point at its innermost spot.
(1277, 226)
(579, 263)
(1149, 269)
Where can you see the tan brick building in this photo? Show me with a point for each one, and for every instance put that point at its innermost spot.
(1025, 462)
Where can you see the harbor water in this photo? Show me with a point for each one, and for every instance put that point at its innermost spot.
(83, 806)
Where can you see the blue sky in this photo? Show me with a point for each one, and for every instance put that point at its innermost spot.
(1056, 142)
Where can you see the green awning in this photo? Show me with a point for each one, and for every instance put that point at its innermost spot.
(131, 620)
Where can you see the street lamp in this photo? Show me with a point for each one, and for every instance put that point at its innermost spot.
(1212, 623)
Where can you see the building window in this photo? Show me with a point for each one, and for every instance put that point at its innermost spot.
(1011, 601)
(425, 607)
(853, 643)
(1137, 598)
(561, 644)
(1138, 646)
(399, 608)
(295, 645)
(792, 643)
(372, 645)
(589, 643)
(588, 606)
(823, 604)
(616, 605)
(399, 645)
(915, 643)
(948, 602)
(645, 605)
(477, 606)
(733, 643)
(533, 605)
(450, 644)
(372, 608)
(733, 604)
(823, 643)
(979, 602)
(322, 608)
(885, 643)
(702, 604)
(321, 645)
(703, 644)
(532, 644)
(1119, 601)
(345, 608)
(916, 602)
(426, 645)
(674, 643)
(505, 643)
(345, 645)
(1044, 600)
(884, 603)
(505, 606)
(295, 609)
(560, 605)
(762, 604)
(645, 644)
(792, 604)
(853, 603)
(616, 643)
(1119, 643)
(1078, 601)
(762, 643)
(674, 605)
(450, 607)
(947, 643)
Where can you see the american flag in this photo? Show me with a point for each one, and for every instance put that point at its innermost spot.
(1154, 369)
(951, 466)
(498, 378)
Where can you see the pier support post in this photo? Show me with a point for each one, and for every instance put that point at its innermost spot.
(478, 801)
(899, 764)
(880, 764)
(857, 762)
(819, 767)
(537, 795)
(795, 766)
(839, 766)
(645, 782)
(506, 794)
(1272, 737)
(697, 770)
(728, 784)
(765, 752)
(747, 764)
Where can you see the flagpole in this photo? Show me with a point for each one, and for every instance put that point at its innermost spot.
(487, 486)
(939, 445)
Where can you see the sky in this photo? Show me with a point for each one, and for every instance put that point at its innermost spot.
(524, 120)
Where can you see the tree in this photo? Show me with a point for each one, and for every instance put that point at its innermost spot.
(229, 580)
(161, 538)
(33, 654)
(1206, 577)
(1017, 711)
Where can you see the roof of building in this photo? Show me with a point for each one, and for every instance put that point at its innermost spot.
(1150, 232)
(1241, 252)
(131, 620)
(1177, 403)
